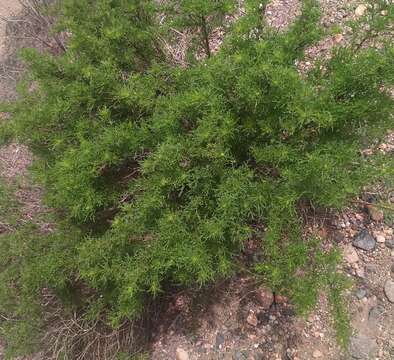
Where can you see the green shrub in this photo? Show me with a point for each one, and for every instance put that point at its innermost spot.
(167, 171)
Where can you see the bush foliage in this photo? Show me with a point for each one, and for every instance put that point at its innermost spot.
(165, 171)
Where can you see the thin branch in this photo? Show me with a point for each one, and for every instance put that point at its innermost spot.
(204, 29)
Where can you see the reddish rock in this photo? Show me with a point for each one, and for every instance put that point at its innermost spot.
(265, 297)
(252, 319)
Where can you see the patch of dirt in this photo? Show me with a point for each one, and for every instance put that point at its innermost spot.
(281, 13)
(15, 159)
(8, 8)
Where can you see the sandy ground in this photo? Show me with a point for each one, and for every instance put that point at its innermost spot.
(8, 8)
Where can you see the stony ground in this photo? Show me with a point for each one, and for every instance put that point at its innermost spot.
(233, 319)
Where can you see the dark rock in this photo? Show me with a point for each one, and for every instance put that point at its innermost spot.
(364, 241)
(389, 290)
(363, 347)
(219, 339)
(263, 317)
(361, 293)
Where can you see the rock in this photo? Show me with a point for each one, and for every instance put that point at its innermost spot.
(375, 213)
(317, 354)
(360, 10)
(392, 268)
(384, 13)
(363, 347)
(364, 241)
(219, 340)
(380, 238)
(252, 319)
(265, 297)
(361, 293)
(390, 243)
(389, 290)
(350, 254)
(375, 313)
(181, 354)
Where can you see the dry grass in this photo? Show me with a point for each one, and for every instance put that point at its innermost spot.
(25, 24)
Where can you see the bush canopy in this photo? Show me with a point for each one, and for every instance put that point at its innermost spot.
(162, 172)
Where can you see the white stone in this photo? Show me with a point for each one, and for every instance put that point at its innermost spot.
(360, 10)
(181, 354)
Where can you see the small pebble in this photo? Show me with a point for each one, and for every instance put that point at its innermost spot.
(361, 293)
(181, 354)
(317, 354)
